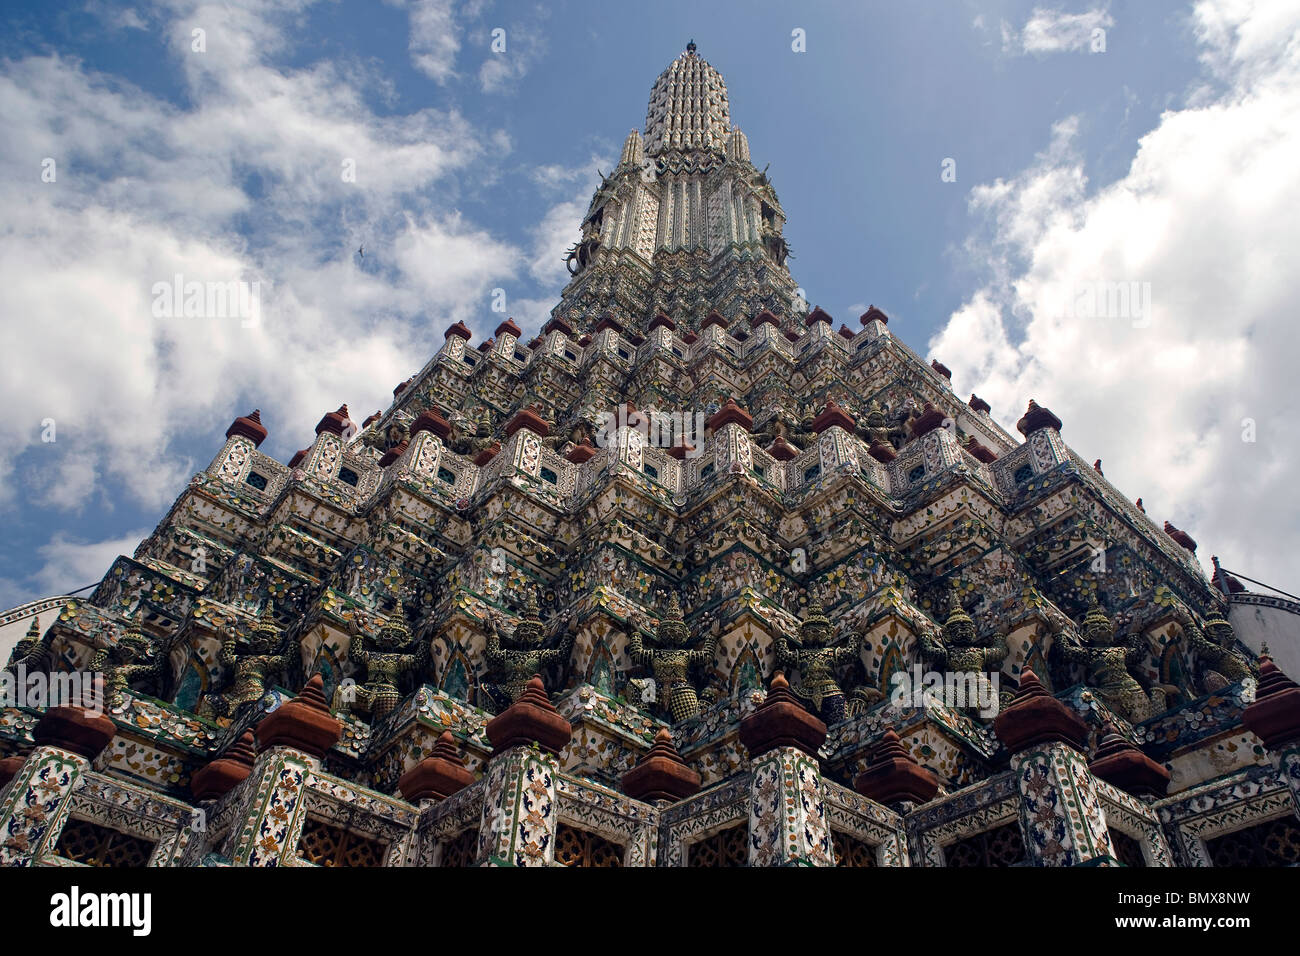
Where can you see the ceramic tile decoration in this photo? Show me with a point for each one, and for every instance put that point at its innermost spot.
(688, 481)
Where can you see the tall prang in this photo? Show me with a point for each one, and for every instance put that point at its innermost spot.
(629, 591)
(685, 224)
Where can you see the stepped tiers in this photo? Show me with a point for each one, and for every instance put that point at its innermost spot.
(621, 590)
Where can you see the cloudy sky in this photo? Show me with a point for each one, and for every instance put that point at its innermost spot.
(991, 174)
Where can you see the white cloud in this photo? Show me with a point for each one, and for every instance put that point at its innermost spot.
(560, 227)
(1054, 31)
(68, 565)
(1202, 216)
(245, 182)
(524, 44)
(434, 39)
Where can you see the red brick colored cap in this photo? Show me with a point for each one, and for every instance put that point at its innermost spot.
(298, 456)
(1182, 537)
(765, 316)
(782, 450)
(978, 404)
(580, 453)
(818, 314)
(460, 329)
(431, 421)
(76, 729)
(304, 723)
(249, 426)
(893, 775)
(527, 418)
(1123, 765)
(929, 419)
(558, 325)
(393, 453)
(532, 718)
(1037, 417)
(713, 318)
(661, 774)
(226, 772)
(781, 721)
(508, 327)
(728, 413)
(981, 452)
(873, 315)
(335, 422)
(833, 415)
(438, 775)
(9, 768)
(941, 369)
(1274, 717)
(1036, 717)
(883, 452)
(661, 318)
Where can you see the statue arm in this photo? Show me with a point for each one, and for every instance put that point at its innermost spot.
(996, 654)
(1136, 649)
(635, 651)
(492, 652)
(98, 662)
(785, 657)
(851, 648)
(705, 653)
(228, 656)
(1196, 639)
(1069, 651)
(933, 651)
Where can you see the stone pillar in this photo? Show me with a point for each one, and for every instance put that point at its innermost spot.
(454, 339)
(291, 742)
(507, 334)
(35, 805)
(1274, 718)
(1060, 815)
(518, 824)
(787, 816)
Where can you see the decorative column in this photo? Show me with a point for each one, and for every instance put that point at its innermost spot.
(1274, 718)
(1060, 815)
(35, 806)
(291, 742)
(507, 334)
(787, 816)
(518, 823)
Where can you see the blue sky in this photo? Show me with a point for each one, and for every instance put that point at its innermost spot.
(1161, 159)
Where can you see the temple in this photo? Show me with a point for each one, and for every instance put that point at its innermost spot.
(698, 575)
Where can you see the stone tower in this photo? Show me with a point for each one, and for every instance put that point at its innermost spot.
(690, 535)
